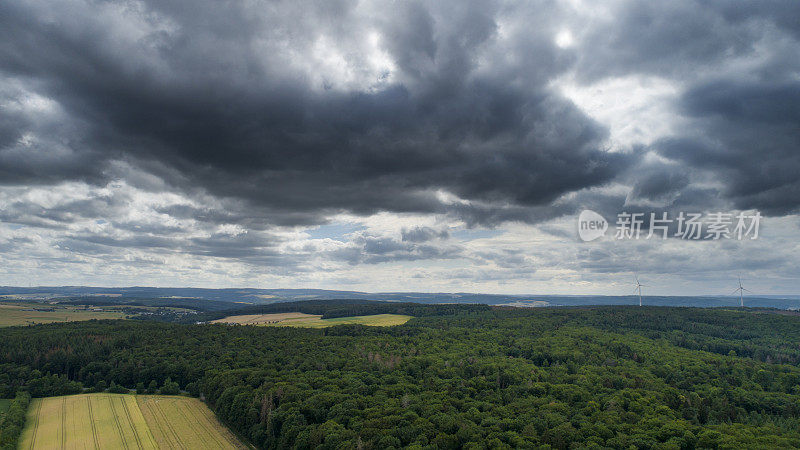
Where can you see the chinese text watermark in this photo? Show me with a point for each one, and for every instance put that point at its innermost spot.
(686, 226)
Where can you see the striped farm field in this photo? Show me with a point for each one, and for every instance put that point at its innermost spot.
(297, 319)
(265, 319)
(181, 422)
(376, 320)
(100, 421)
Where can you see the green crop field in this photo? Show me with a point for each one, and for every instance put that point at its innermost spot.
(123, 421)
(377, 320)
(22, 314)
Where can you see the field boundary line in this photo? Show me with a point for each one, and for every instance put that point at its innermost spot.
(225, 432)
(91, 421)
(130, 420)
(116, 421)
(36, 423)
(164, 428)
(169, 425)
(152, 411)
(203, 422)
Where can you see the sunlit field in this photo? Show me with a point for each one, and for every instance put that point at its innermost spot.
(377, 320)
(265, 319)
(296, 319)
(123, 421)
(181, 422)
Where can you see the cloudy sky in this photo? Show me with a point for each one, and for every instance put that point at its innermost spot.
(395, 145)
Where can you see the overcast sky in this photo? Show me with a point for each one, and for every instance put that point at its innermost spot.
(395, 145)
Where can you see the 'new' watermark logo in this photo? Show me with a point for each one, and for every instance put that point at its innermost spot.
(591, 225)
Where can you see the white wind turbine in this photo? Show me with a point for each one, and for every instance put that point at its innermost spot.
(638, 288)
(741, 290)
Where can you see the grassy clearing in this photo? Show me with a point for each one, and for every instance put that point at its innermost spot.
(123, 421)
(22, 314)
(377, 320)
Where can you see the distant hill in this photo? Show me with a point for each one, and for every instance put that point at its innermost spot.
(197, 298)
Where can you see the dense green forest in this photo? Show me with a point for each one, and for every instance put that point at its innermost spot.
(459, 377)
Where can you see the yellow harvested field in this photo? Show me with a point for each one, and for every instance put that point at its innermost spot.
(181, 422)
(103, 421)
(12, 314)
(296, 319)
(377, 320)
(264, 319)
(88, 420)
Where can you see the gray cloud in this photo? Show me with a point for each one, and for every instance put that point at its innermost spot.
(659, 183)
(747, 136)
(192, 92)
(155, 127)
(423, 234)
(369, 249)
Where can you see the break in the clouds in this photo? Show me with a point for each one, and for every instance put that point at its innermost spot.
(391, 145)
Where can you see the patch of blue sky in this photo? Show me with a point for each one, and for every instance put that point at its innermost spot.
(467, 234)
(335, 231)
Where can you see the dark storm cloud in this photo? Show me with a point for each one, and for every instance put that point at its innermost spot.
(674, 39)
(746, 135)
(188, 90)
(253, 248)
(658, 182)
(33, 145)
(736, 64)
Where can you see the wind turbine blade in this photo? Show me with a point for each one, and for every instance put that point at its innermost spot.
(747, 290)
(735, 291)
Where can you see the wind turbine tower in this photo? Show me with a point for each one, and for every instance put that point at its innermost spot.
(638, 288)
(741, 290)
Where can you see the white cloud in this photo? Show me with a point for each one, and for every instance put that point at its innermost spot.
(636, 109)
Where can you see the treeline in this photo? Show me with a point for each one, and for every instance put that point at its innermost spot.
(12, 422)
(14, 378)
(196, 304)
(502, 377)
(330, 309)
